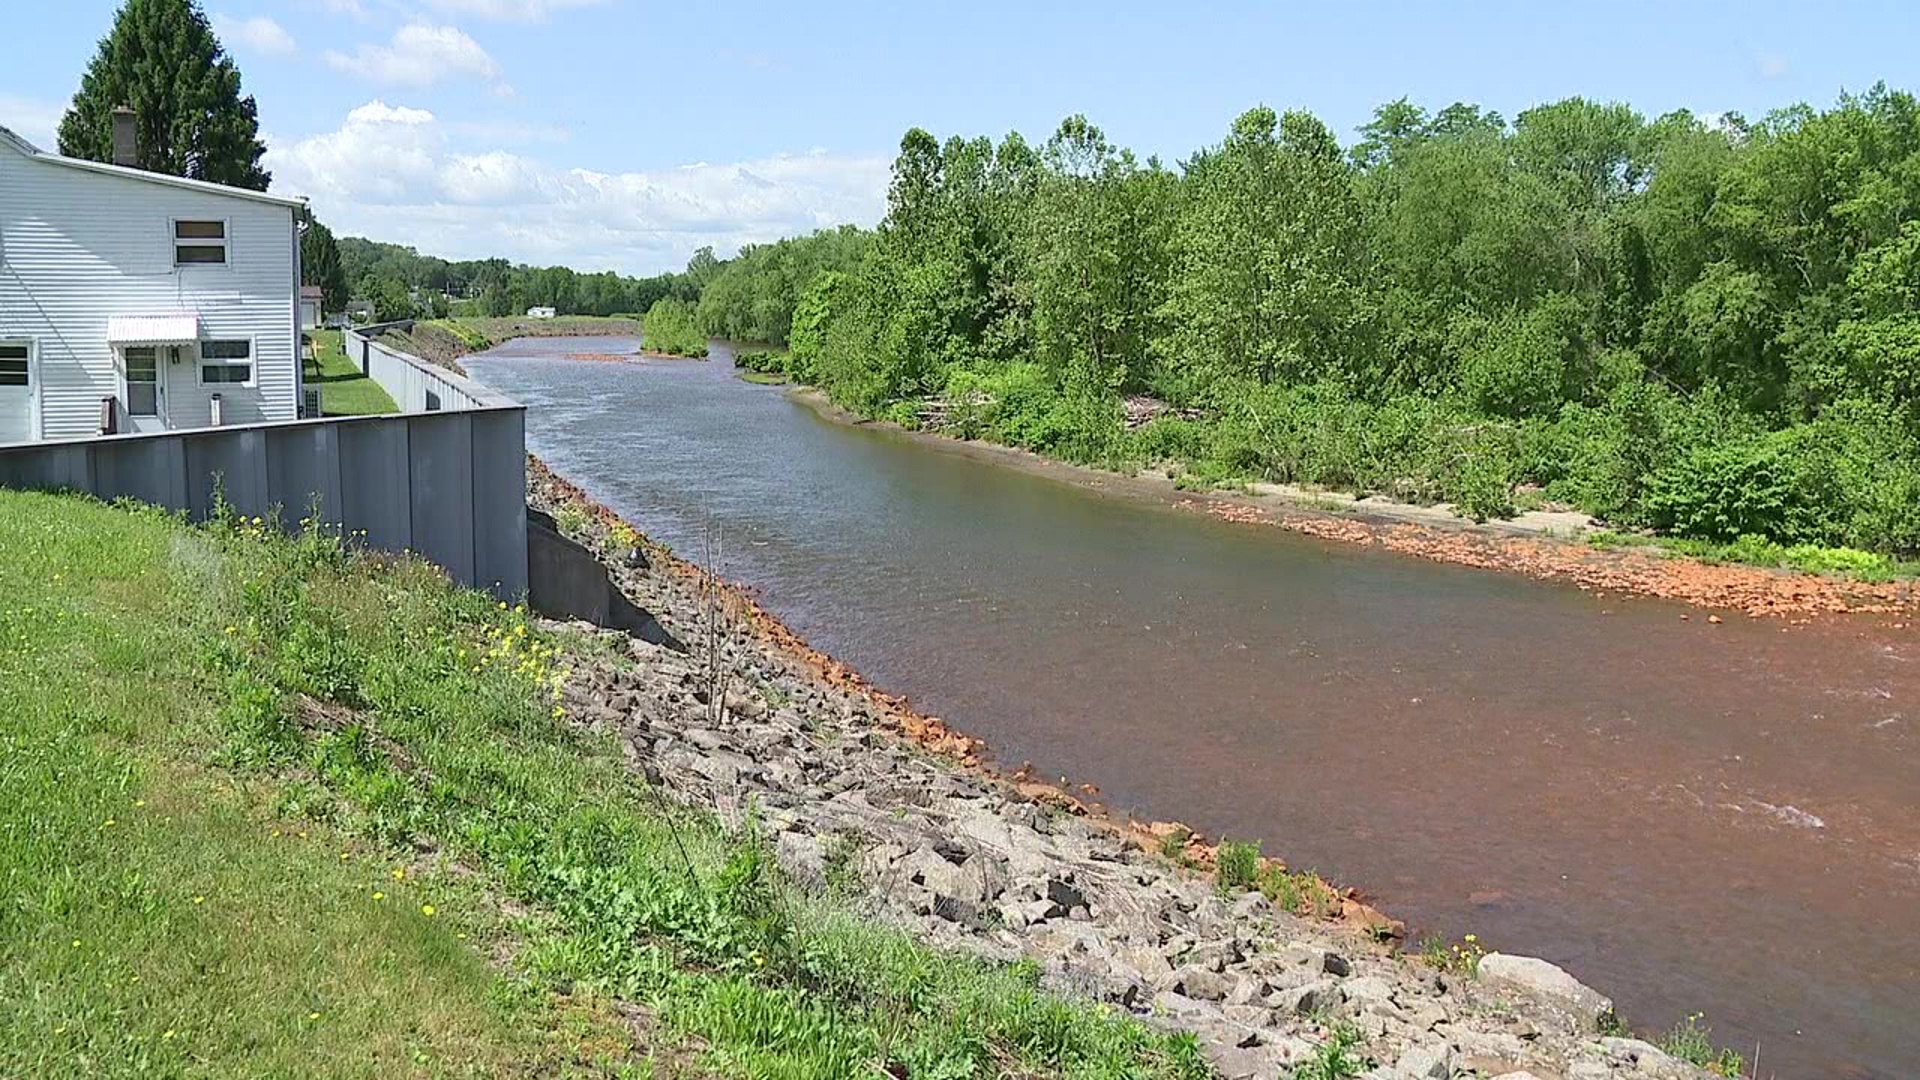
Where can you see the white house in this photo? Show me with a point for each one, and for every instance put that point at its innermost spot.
(539, 313)
(138, 301)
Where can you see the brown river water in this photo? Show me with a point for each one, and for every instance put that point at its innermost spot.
(1690, 817)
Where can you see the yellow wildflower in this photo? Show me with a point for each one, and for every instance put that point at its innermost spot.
(427, 910)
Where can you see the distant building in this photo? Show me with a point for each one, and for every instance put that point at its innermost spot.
(539, 313)
(137, 301)
(312, 300)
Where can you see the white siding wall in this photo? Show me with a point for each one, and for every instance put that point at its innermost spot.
(78, 246)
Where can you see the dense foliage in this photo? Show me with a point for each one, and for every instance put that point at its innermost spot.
(495, 287)
(320, 265)
(1708, 326)
(161, 59)
(752, 297)
(672, 326)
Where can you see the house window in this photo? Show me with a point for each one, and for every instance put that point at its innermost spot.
(143, 380)
(199, 243)
(226, 362)
(13, 365)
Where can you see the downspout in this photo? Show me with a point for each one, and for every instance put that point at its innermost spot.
(300, 218)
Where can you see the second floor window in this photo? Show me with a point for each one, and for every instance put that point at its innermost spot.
(199, 243)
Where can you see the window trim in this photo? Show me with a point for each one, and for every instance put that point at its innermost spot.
(34, 420)
(201, 363)
(225, 243)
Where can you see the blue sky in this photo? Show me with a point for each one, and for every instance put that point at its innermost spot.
(621, 134)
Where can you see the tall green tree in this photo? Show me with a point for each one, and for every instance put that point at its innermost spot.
(320, 265)
(1270, 260)
(161, 59)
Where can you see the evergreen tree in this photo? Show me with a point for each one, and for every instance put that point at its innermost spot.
(162, 60)
(320, 265)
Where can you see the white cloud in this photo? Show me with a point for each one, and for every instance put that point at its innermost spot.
(511, 10)
(419, 55)
(353, 9)
(258, 34)
(403, 175)
(32, 119)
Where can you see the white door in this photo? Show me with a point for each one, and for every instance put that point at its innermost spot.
(144, 370)
(17, 392)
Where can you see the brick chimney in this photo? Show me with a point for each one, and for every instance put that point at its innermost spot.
(126, 140)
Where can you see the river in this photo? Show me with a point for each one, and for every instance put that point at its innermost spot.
(1690, 817)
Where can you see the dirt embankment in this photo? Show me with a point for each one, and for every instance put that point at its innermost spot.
(440, 345)
(1734, 589)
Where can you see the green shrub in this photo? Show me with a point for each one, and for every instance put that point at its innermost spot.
(1776, 485)
(670, 327)
(1482, 488)
(1236, 865)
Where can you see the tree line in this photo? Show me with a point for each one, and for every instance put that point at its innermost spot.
(390, 275)
(1707, 325)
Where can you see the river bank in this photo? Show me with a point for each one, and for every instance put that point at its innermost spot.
(1477, 747)
(856, 787)
(1544, 546)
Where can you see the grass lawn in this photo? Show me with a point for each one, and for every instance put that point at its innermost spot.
(268, 808)
(344, 391)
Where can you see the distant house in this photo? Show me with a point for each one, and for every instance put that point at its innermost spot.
(360, 311)
(312, 300)
(137, 301)
(539, 313)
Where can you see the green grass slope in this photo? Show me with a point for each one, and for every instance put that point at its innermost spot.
(269, 808)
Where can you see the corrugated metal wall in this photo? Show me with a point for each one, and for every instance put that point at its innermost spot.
(450, 486)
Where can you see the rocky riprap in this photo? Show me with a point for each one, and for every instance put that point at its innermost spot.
(857, 793)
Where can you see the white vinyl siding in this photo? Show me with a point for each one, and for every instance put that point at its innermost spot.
(78, 246)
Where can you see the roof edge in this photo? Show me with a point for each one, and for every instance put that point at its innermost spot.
(27, 149)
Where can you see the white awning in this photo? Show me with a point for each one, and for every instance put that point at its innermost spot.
(152, 329)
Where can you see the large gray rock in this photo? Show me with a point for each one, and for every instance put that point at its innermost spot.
(1547, 984)
(1641, 1054)
(1430, 1061)
(1202, 983)
(1320, 996)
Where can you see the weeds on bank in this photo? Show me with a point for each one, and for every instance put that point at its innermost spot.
(1461, 958)
(1334, 1059)
(1302, 893)
(1237, 868)
(1173, 845)
(1759, 551)
(1236, 865)
(371, 700)
(1692, 1041)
